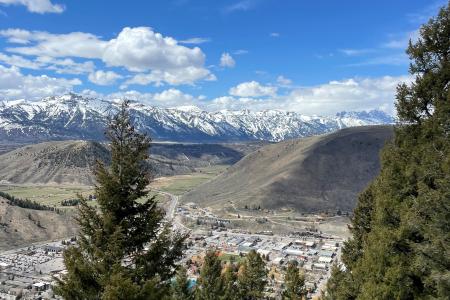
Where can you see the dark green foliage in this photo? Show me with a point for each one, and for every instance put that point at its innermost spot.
(400, 247)
(26, 203)
(210, 284)
(70, 202)
(180, 288)
(125, 250)
(252, 277)
(294, 282)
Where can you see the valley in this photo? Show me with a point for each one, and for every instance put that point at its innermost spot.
(214, 192)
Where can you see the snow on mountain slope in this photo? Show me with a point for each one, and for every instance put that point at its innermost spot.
(75, 117)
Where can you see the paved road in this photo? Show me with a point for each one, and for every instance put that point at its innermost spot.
(172, 205)
(170, 216)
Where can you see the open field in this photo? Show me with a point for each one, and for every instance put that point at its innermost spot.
(52, 195)
(181, 184)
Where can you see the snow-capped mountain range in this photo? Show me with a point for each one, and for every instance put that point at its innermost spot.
(73, 116)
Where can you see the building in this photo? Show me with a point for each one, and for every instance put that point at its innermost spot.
(294, 251)
(324, 259)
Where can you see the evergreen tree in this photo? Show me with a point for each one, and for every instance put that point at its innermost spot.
(125, 250)
(181, 287)
(252, 277)
(401, 228)
(210, 285)
(294, 282)
(229, 283)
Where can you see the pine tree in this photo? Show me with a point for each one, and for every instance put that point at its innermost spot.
(125, 249)
(229, 283)
(294, 282)
(400, 247)
(210, 285)
(252, 277)
(181, 287)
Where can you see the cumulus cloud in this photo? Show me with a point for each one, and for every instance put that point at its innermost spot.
(15, 85)
(104, 77)
(349, 94)
(324, 99)
(176, 77)
(41, 43)
(167, 98)
(36, 6)
(65, 65)
(227, 61)
(252, 89)
(138, 50)
(274, 34)
(19, 61)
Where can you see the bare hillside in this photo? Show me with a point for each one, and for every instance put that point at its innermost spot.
(322, 173)
(21, 227)
(72, 162)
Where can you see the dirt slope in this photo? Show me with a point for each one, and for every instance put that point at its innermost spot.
(321, 173)
(21, 227)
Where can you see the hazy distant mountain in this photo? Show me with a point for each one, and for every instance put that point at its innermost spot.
(315, 174)
(75, 117)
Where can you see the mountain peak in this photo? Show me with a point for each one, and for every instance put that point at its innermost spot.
(74, 116)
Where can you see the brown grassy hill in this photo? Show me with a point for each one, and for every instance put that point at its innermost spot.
(69, 162)
(72, 162)
(321, 173)
(21, 227)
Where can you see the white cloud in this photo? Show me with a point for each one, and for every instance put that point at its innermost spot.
(139, 50)
(401, 41)
(275, 34)
(226, 60)
(195, 41)
(104, 77)
(349, 94)
(356, 52)
(74, 44)
(60, 66)
(66, 65)
(243, 5)
(240, 52)
(36, 6)
(19, 61)
(325, 99)
(17, 36)
(396, 59)
(283, 81)
(252, 89)
(15, 85)
(166, 98)
(174, 77)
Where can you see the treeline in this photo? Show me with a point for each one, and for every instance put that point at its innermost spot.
(247, 279)
(26, 203)
(70, 202)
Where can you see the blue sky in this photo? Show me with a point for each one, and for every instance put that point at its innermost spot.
(314, 57)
